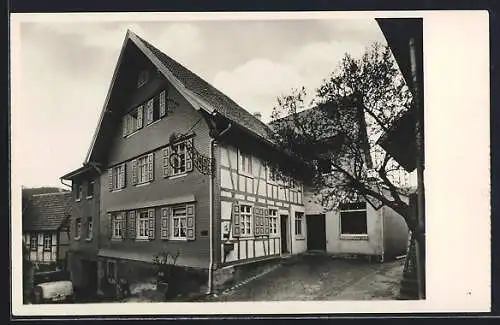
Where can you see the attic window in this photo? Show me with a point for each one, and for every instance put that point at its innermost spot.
(143, 78)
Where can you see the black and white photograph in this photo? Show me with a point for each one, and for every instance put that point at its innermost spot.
(161, 158)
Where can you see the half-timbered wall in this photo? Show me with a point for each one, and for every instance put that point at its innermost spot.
(38, 253)
(247, 189)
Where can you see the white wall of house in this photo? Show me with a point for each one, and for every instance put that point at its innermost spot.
(255, 189)
(337, 243)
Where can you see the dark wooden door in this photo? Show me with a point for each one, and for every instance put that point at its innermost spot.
(284, 233)
(316, 232)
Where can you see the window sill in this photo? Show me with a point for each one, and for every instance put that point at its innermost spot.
(89, 197)
(88, 239)
(78, 200)
(117, 190)
(76, 238)
(178, 239)
(300, 237)
(141, 239)
(116, 238)
(154, 122)
(353, 237)
(131, 134)
(177, 176)
(143, 184)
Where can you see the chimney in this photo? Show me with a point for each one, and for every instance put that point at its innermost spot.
(258, 115)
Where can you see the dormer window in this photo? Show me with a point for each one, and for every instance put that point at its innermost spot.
(143, 78)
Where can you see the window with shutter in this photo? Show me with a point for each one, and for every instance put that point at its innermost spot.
(134, 172)
(191, 221)
(236, 220)
(131, 225)
(189, 158)
(150, 167)
(110, 179)
(151, 217)
(149, 112)
(123, 223)
(125, 126)
(167, 169)
(162, 104)
(165, 216)
(123, 175)
(266, 222)
(140, 116)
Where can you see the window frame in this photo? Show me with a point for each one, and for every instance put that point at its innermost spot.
(116, 224)
(173, 216)
(49, 241)
(342, 213)
(274, 222)
(90, 184)
(142, 175)
(142, 216)
(301, 219)
(244, 223)
(90, 228)
(34, 236)
(184, 166)
(78, 228)
(117, 170)
(142, 78)
(249, 166)
(78, 191)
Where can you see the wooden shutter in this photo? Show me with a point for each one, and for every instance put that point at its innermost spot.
(266, 222)
(110, 179)
(134, 172)
(125, 126)
(165, 216)
(189, 155)
(140, 116)
(150, 167)
(167, 169)
(124, 175)
(256, 221)
(151, 224)
(162, 104)
(124, 224)
(236, 220)
(169, 102)
(109, 223)
(131, 225)
(190, 222)
(149, 111)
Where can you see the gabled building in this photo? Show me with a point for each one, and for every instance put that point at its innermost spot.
(176, 165)
(45, 228)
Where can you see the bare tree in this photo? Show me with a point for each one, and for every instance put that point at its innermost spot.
(335, 132)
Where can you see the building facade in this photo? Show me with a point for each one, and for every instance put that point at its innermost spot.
(177, 166)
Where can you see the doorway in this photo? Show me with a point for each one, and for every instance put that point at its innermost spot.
(89, 271)
(316, 232)
(284, 234)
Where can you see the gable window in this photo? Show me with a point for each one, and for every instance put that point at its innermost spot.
(118, 177)
(90, 189)
(133, 121)
(246, 219)
(299, 220)
(142, 170)
(33, 241)
(179, 226)
(47, 242)
(180, 149)
(273, 221)
(78, 191)
(142, 225)
(245, 163)
(78, 228)
(89, 228)
(142, 78)
(116, 227)
(353, 219)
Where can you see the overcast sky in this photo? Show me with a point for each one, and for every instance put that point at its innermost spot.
(67, 68)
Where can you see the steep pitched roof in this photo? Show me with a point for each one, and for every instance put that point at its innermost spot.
(199, 93)
(46, 212)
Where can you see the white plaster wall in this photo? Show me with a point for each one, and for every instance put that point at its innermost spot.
(298, 245)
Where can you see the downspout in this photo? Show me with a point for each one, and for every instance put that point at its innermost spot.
(211, 196)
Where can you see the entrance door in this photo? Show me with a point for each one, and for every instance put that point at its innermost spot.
(89, 270)
(316, 232)
(284, 233)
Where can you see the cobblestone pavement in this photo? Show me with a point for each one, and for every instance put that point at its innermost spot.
(319, 277)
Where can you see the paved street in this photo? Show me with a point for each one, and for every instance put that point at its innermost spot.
(318, 277)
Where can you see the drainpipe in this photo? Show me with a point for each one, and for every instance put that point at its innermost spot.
(213, 143)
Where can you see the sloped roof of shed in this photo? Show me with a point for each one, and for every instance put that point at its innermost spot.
(46, 212)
